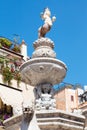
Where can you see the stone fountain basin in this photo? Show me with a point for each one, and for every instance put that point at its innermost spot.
(43, 70)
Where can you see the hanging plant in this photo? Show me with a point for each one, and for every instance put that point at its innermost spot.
(16, 48)
(17, 76)
(1, 60)
(7, 75)
(4, 60)
(5, 42)
(0, 45)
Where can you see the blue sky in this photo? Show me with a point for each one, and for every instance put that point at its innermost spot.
(69, 32)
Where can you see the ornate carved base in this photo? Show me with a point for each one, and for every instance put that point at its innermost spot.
(44, 97)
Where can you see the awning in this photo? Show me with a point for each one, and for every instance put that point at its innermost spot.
(11, 96)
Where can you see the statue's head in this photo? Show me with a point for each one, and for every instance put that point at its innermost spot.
(27, 107)
(47, 12)
(28, 111)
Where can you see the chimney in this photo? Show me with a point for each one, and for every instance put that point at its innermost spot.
(23, 48)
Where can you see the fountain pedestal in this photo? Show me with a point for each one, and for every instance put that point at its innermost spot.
(43, 71)
(43, 67)
(44, 97)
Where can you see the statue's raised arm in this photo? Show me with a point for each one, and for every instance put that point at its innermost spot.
(48, 22)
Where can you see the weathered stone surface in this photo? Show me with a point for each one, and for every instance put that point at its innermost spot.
(43, 70)
(43, 42)
(43, 48)
(56, 120)
(13, 123)
(44, 97)
(51, 120)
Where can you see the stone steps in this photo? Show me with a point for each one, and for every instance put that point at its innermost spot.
(51, 120)
(58, 126)
(56, 120)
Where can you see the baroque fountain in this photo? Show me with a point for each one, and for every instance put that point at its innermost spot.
(43, 71)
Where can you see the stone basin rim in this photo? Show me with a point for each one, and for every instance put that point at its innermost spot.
(43, 59)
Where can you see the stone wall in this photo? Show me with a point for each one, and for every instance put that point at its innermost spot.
(66, 99)
(60, 100)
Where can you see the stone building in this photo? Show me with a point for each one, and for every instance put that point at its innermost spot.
(11, 85)
(67, 98)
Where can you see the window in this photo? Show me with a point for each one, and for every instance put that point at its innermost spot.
(72, 98)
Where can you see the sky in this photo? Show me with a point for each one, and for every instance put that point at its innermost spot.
(69, 31)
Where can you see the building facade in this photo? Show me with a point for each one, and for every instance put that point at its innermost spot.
(67, 98)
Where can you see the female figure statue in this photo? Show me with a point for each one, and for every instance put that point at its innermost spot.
(48, 22)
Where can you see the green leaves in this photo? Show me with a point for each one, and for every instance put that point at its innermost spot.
(7, 75)
(16, 48)
(17, 76)
(5, 42)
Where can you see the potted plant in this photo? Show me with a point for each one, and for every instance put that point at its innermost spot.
(5, 42)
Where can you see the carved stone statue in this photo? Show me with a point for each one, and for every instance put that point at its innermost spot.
(48, 22)
(29, 121)
(44, 97)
